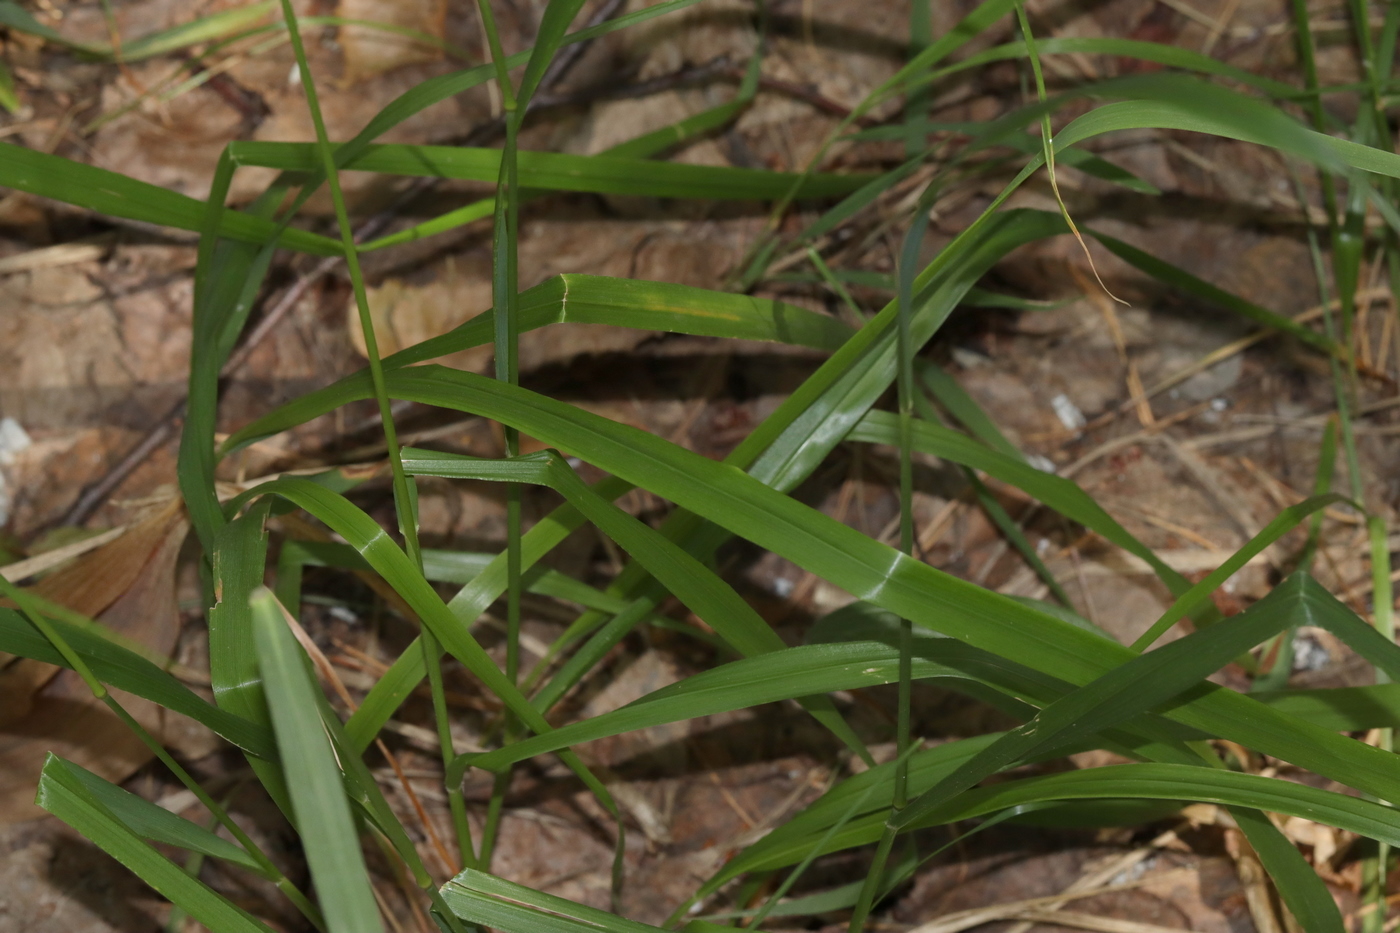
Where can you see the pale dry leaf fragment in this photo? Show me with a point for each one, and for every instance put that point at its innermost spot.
(405, 314)
(370, 51)
(47, 560)
(128, 585)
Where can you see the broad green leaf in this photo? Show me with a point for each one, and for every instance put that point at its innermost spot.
(68, 798)
(313, 778)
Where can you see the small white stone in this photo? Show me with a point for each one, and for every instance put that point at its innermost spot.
(13, 439)
(969, 359)
(783, 587)
(1069, 414)
(343, 614)
(1309, 654)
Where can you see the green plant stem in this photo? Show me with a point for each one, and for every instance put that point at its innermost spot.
(1339, 386)
(402, 496)
(871, 886)
(904, 378)
(432, 653)
(1382, 600)
(857, 317)
(100, 692)
(405, 500)
(505, 301)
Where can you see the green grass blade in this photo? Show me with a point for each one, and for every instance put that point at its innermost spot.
(768, 678)
(200, 30)
(1298, 885)
(1120, 694)
(151, 822)
(503, 905)
(585, 299)
(8, 98)
(126, 670)
(239, 556)
(105, 192)
(955, 400)
(1182, 782)
(1284, 522)
(66, 797)
(555, 171)
(695, 585)
(1062, 495)
(1339, 709)
(459, 567)
(872, 571)
(472, 600)
(390, 562)
(1159, 53)
(205, 28)
(318, 799)
(1171, 782)
(1179, 278)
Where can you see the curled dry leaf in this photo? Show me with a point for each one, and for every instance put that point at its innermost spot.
(129, 586)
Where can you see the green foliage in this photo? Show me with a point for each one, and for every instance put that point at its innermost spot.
(1074, 687)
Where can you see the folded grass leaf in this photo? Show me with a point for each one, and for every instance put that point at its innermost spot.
(67, 797)
(313, 779)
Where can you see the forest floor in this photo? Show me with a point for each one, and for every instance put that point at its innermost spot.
(95, 336)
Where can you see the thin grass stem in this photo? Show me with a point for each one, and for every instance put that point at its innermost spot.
(405, 498)
(505, 298)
